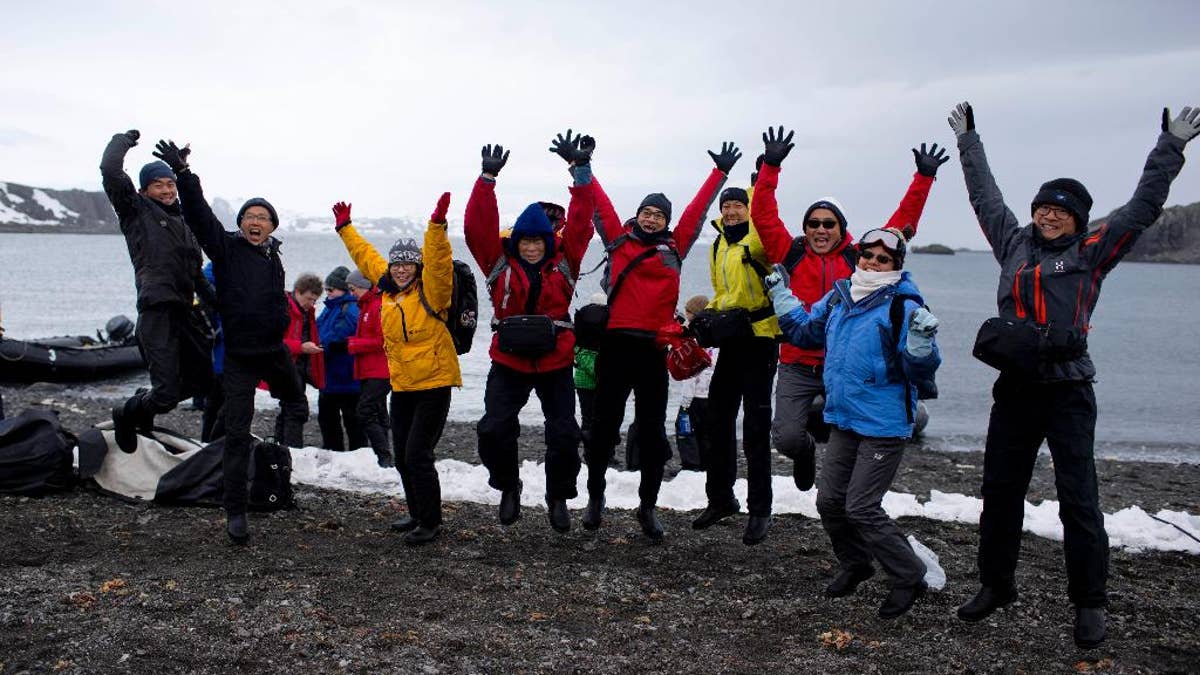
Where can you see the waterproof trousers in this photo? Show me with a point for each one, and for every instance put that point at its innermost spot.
(796, 388)
(178, 354)
(855, 475)
(212, 421)
(1025, 413)
(418, 418)
(334, 410)
(507, 392)
(743, 377)
(241, 376)
(373, 414)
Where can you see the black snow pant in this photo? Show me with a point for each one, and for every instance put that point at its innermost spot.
(178, 354)
(1025, 413)
(743, 377)
(856, 474)
(212, 422)
(507, 392)
(587, 407)
(290, 419)
(629, 364)
(373, 414)
(334, 410)
(242, 375)
(418, 418)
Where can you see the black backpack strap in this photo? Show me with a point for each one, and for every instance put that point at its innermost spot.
(795, 253)
(850, 255)
(896, 317)
(429, 308)
(637, 260)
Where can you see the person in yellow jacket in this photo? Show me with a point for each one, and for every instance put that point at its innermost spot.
(741, 321)
(422, 362)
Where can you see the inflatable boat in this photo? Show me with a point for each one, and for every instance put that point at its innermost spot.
(72, 358)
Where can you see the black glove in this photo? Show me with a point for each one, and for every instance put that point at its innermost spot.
(929, 160)
(132, 136)
(567, 148)
(728, 156)
(494, 159)
(587, 145)
(757, 167)
(776, 147)
(170, 153)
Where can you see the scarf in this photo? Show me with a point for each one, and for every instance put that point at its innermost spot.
(864, 283)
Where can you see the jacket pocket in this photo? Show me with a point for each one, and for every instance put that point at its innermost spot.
(416, 363)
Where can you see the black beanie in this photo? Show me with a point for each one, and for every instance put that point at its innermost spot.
(734, 194)
(337, 279)
(832, 205)
(1067, 193)
(659, 201)
(259, 201)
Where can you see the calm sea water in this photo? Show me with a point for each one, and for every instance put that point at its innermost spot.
(1143, 338)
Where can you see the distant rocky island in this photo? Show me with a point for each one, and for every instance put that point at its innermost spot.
(934, 249)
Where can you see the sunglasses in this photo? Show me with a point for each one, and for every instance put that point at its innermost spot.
(814, 223)
(881, 258)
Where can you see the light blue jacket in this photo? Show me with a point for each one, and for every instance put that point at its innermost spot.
(867, 378)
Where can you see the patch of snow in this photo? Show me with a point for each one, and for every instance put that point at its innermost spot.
(53, 205)
(12, 197)
(11, 215)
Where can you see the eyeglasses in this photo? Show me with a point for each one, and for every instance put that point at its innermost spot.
(881, 258)
(651, 214)
(814, 223)
(1056, 211)
(890, 240)
(256, 218)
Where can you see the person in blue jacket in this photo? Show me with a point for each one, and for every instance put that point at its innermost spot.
(872, 375)
(338, 401)
(212, 425)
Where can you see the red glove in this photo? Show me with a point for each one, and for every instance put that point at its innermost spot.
(341, 215)
(439, 213)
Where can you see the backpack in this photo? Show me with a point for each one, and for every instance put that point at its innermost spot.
(799, 249)
(270, 477)
(462, 316)
(35, 454)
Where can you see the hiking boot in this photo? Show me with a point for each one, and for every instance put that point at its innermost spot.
(986, 601)
(404, 523)
(384, 458)
(648, 519)
(237, 529)
(712, 515)
(594, 513)
(510, 505)
(804, 467)
(900, 600)
(1090, 628)
(557, 514)
(846, 582)
(124, 431)
(756, 529)
(422, 535)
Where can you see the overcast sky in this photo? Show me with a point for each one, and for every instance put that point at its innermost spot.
(386, 104)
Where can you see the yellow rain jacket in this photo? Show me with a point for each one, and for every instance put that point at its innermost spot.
(735, 282)
(419, 348)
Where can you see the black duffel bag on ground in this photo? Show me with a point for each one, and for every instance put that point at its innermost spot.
(1022, 347)
(35, 454)
(715, 328)
(527, 334)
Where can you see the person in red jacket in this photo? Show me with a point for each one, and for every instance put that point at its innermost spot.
(816, 259)
(642, 282)
(371, 367)
(531, 278)
(304, 344)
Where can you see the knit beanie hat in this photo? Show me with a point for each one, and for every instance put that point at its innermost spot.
(153, 171)
(831, 204)
(259, 201)
(736, 194)
(337, 279)
(405, 251)
(659, 201)
(1067, 193)
(359, 280)
(533, 223)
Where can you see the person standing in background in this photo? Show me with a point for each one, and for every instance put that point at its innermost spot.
(693, 405)
(338, 401)
(370, 367)
(303, 342)
(212, 426)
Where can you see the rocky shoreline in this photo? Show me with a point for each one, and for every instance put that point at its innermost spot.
(90, 584)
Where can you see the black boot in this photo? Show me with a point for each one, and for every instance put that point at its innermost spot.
(237, 529)
(384, 458)
(594, 513)
(804, 466)
(986, 601)
(510, 505)
(847, 581)
(1090, 628)
(560, 518)
(648, 519)
(404, 523)
(125, 426)
(422, 535)
(900, 600)
(756, 529)
(712, 515)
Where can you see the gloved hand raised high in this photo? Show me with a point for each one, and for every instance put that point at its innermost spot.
(574, 151)
(728, 156)
(1185, 127)
(775, 146)
(921, 328)
(962, 118)
(173, 155)
(929, 160)
(439, 212)
(494, 159)
(341, 215)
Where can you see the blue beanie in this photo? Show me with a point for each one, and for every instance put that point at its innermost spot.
(153, 171)
(259, 201)
(533, 223)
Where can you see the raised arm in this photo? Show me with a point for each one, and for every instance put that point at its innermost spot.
(117, 184)
(605, 219)
(908, 214)
(481, 222)
(437, 270)
(997, 220)
(800, 327)
(365, 257)
(1108, 243)
(764, 208)
(687, 230)
(578, 231)
(197, 214)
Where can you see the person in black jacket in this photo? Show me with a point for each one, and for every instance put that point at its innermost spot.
(254, 316)
(166, 265)
(1050, 276)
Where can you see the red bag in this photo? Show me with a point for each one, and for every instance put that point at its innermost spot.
(685, 357)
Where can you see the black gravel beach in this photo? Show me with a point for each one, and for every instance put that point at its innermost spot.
(92, 584)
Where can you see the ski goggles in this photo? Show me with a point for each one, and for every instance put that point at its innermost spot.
(889, 239)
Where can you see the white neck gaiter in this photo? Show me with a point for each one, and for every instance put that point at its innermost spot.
(864, 282)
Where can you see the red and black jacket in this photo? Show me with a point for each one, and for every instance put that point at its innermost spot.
(370, 361)
(311, 364)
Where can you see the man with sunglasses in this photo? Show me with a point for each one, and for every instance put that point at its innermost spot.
(815, 260)
(1050, 276)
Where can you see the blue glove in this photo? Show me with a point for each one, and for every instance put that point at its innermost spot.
(921, 328)
(779, 291)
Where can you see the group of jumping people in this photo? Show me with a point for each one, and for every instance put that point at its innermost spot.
(851, 320)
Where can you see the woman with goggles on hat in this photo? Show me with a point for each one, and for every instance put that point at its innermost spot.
(874, 367)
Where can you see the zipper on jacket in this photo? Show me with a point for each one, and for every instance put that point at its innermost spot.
(403, 322)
